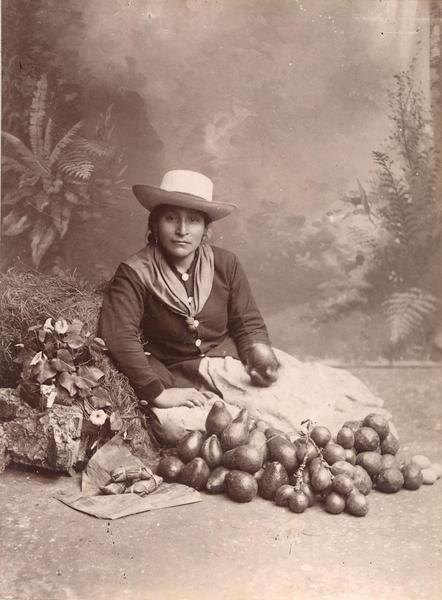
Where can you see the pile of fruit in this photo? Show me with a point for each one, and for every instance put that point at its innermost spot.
(243, 458)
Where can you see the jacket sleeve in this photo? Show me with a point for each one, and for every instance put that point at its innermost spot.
(119, 326)
(246, 324)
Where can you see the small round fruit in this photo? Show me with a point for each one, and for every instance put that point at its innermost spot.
(389, 461)
(283, 494)
(362, 480)
(342, 466)
(371, 462)
(334, 503)
(423, 462)
(169, 468)
(379, 423)
(345, 437)
(343, 484)
(333, 452)
(308, 491)
(413, 477)
(304, 449)
(357, 504)
(321, 479)
(350, 456)
(429, 476)
(366, 439)
(390, 445)
(315, 464)
(306, 476)
(390, 481)
(241, 486)
(354, 425)
(438, 468)
(298, 502)
(320, 435)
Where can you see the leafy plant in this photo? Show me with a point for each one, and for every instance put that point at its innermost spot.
(397, 245)
(63, 371)
(52, 178)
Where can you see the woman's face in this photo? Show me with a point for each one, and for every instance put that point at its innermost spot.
(180, 231)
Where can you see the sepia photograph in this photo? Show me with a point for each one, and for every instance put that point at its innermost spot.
(221, 300)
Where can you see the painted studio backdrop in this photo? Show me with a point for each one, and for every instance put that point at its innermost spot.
(317, 117)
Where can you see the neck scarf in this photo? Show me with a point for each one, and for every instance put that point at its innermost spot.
(158, 277)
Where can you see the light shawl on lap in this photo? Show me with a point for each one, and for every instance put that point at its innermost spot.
(158, 277)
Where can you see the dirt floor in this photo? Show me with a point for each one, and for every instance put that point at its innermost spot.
(217, 549)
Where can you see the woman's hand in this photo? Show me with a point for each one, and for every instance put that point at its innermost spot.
(171, 397)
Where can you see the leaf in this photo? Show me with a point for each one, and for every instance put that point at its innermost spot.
(91, 374)
(74, 341)
(30, 161)
(37, 116)
(82, 383)
(65, 356)
(40, 201)
(65, 141)
(116, 422)
(37, 358)
(100, 343)
(15, 223)
(76, 326)
(61, 215)
(408, 311)
(100, 398)
(14, 196)
(61, 326)
(68, 382)
(42, 237)
(48, 324)
(43, 371)
(61, 366)
(47, 139)
(42, 335)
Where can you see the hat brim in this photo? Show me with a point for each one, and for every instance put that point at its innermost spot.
(150, 197)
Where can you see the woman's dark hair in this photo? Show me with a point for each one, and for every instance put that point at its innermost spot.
(155, 215)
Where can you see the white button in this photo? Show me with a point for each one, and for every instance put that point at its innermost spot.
(190, 299)
(198, 342)
(196, 323)
(185, 276)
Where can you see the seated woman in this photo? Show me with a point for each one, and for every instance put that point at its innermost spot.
(180, 320)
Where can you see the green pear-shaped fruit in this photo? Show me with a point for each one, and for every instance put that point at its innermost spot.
(243, 458)
(211, 451)
(237, 432)
(241, 487)
(218, 418)
(273, 477)
(283, 451)
(169, 468)
(258, 439)
(216, 484)
(189, 446)
(195, 474)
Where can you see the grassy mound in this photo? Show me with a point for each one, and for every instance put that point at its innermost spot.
(28, 299)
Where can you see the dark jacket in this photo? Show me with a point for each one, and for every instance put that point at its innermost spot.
(155, 348)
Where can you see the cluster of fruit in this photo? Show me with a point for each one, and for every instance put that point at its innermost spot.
(243, 458)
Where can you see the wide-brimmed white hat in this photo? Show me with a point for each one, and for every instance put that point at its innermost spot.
(186, 189)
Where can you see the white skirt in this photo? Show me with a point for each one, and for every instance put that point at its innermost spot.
(304, 390)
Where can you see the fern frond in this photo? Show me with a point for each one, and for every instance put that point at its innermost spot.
(30, 160)
(65, 141)
(48, 139)
(37, 117)
(407, 312)
(91, 147)
(76, 165)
